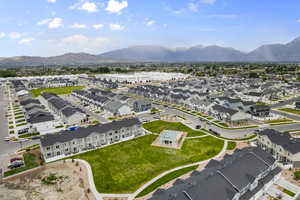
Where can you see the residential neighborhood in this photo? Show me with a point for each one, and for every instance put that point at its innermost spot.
(245, 138)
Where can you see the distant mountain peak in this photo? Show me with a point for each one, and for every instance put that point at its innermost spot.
(289, 52)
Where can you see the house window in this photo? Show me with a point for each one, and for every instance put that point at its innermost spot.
(58, 153)
(57, 147)
(48, 148)
(48, 154)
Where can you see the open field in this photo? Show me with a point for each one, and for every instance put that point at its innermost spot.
(159, 125)
(124, 167)
(58, 90)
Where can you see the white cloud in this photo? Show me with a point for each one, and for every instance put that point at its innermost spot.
(98, 26)
(116, 27)
(52, 1)
(298, 20)
(82, 43)
(150, 22)
(15, 35)
(43, 22)
(114, 6)
(79, 26)
(85, 5)
(2, 35)
(55, 23)
(194, 7)
(211, 2)
(26, 41)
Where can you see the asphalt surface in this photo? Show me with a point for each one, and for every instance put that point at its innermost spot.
(8, 147)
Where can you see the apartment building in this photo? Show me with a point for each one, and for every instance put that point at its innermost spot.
(65, 143)
(244, 175)
(282, 146)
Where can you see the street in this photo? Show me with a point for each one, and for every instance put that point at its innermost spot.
(8, 147)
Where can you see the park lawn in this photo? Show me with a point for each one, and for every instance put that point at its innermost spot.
(57, 90)
(159, 125)
(290, 110)
(124, 167)
(165, 179)
(231, 145)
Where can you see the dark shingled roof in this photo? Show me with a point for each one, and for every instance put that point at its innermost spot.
(283, 139)
(240, 169)
(81, 132)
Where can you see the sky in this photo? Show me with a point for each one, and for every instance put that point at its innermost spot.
(54, 27)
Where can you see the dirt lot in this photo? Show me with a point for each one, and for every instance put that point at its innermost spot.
(57, 181)
(289, 176)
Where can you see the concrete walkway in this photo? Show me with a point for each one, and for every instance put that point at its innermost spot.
(100, 196)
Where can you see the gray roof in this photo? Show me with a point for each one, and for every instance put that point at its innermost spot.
(81, 132)
(283, 139)
(239, 169)
(222, 109)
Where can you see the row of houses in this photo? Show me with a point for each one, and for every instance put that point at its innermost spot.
(96, 82)
(228, 109)
(284, 147)
(69, 114)
(51, 82)
(244, 175)
(65, 143)
(39, 119)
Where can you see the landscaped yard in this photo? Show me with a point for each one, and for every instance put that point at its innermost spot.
(231, 145)
(159, 125)
(58, 90)
(290, 110)
(165, 179)
(30, 162)
(28, 135)
(275, 121)
(124, 167)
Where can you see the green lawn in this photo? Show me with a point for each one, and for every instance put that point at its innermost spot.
(30, 162)
(28, 135)
(288, 192)
(290, 110)
(165, 179)
(124, 167)
(58, 90)
(231, 145)
(159, 125)
(277, 121)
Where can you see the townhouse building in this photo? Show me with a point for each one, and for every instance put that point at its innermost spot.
(65, 143)
(244, 175)
(282, 146)
(68, 114)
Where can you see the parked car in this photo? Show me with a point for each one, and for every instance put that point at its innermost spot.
(198, 126)
(6, 138)
(15, 159)
(35, 137)
(16, 164)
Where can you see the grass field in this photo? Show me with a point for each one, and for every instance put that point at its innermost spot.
(58, 90)
(159, 125)
(30, 162)
(231, 145)
(290, 110)
(124, 167)
(165, 179)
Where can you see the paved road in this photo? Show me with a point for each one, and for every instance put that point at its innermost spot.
(228, 133)
(283, 103)
(8, 147)
(291, 116)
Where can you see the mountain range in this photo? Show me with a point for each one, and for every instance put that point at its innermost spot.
(289, 52)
